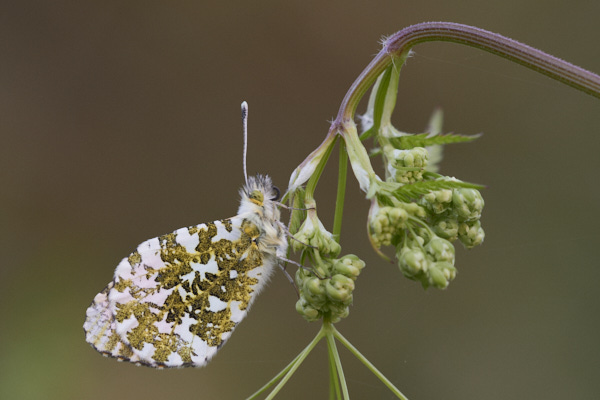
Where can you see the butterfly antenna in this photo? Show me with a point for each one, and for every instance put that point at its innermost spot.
(245, 128)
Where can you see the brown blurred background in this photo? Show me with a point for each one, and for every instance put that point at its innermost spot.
(119, 121)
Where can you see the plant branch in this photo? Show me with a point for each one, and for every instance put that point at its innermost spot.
(290, 369)
(341, 191)
(399, 44)
(368, 364)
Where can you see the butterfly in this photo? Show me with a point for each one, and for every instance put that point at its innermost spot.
(177, 298)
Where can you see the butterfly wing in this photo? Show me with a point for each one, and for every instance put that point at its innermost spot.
(176, 300)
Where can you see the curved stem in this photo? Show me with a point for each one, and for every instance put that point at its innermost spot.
(401, 42)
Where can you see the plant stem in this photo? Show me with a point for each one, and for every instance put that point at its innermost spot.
(290, 369)
(401, 42)
(275, 378)
(341, 191)
(367, 363)
(330, 329)
(334, 382)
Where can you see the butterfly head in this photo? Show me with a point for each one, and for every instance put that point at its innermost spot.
(259, 196)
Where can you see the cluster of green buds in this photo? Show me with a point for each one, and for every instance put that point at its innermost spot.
(420, 213)
(455, 214)
(407, 166)
(330, 295)
(326, 289)
(415, 209)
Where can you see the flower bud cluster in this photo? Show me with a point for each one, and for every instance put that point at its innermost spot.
(313, 233)
(387, 222)
(406, 166)
(331, 295)
(422, 230)
(431, 263)
(326, 289)
(455, 214)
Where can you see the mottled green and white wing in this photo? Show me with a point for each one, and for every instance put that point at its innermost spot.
(176, 300)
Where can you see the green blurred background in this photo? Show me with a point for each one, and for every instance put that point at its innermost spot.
(120, 121)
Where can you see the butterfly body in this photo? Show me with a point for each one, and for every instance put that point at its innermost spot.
(176, 299)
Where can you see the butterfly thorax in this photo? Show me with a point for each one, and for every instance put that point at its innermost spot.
(258, 206)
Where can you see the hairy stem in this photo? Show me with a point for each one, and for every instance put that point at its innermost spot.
(400, 43)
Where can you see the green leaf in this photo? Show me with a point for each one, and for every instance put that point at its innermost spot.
(421, 140)
(384, 201)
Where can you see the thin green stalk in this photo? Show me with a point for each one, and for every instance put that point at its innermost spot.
(367, 363)
(275, 378)
(334, 383)
(399, 45)
(341, 191)
(336, 356)
(290, 369)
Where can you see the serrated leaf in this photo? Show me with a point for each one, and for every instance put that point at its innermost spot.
(384, 201)
(399, 167)
(422, 140)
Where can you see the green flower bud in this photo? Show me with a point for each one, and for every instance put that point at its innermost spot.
(306, 310)
(406, 166)
(471, 234)
(467, 204)
(339, 289)
(338, 311)
(408, 177)
(415, 157)
(412, 261)
(413, 209)
(437, 201)
(313, 286)
(441, 273)
(349, 265)
(314, 292)
(440, 250)
(446, 228)
(385, 223)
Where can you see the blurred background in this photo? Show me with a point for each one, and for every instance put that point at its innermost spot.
(120, 121)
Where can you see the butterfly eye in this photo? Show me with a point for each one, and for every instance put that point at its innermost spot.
(277, 193)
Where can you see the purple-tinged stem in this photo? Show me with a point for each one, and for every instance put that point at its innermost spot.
(400, 43)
